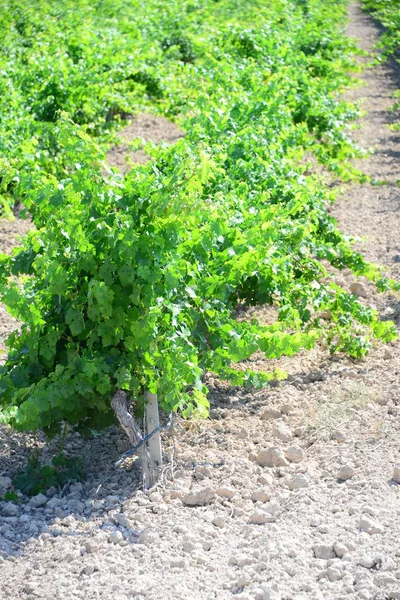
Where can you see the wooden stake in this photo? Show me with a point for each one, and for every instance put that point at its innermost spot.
(152, 422)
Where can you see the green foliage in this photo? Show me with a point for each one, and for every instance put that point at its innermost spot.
(388, 13)
(10, 496)
(34, 478)
(100, 61)
(133, 283)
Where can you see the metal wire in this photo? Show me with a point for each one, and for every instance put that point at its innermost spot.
(128, 453)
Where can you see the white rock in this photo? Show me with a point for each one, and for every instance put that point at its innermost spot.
(89, 570)
(10, 510)
(272, 508)
(262, 495)
(122, 520)
(297, 481)
(396, 474)
(382, 400)
(116, 537)
(5, 483)
(300, 431)
(357, 289)
(266, 479)
(270, 413)
(324, 551)
(283, 432)
(38, 501)
(333, 574)
(54, 503)
(199, 497)
(189, 546)
(345, 472)
(177, 563)
(338, 436)
(243, 434)
(155, 497)
(225, 492)
(272, 457)
(369, 561)
(91, 547)
(294, 454)
(259, 517)
(148, 537)
(387, 355)
(370, 526)
(241, 560)
(219, 522)
(270, 592)
(340, 549)
(75, 489)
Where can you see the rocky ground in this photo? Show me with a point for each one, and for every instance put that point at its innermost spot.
(288, 493)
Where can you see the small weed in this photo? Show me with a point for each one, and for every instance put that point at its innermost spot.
(34, 478)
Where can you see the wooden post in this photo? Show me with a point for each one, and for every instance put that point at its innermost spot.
(152, 422)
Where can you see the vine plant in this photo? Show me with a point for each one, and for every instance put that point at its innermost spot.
(133, 283)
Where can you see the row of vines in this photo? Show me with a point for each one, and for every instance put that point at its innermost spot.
(388, 13)
(133, 282)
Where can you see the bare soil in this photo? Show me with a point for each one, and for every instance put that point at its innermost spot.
(320, 523)
(149, 128)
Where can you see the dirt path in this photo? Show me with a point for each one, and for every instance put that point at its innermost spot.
(322, 523)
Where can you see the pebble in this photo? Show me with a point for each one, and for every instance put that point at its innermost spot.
(270, 413)
(345, 473)
(297, 481)
(324, 551)
(283, 432)
(147, 537)
(5, 483)
(10, 510)
(53, 503)
(357, 289)
(261, 496)
(122, 520)
(199, 497)
(178, 563)
(38, 501)
(188, 547)
(387, 355)
(294, 454)
(243, 434)
(369, 562)
(90, 547)
(340, 549)
(300, 431)
(115, 537)
(396, 474)
(272, 457)
(338, 436)
(155, 497)
(270, 592)
(369, 526)
(333, 574)
(240, 560)
(225, 492)
(259, 517)
(219, 522)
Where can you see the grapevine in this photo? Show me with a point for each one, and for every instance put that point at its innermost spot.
(133, 283)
